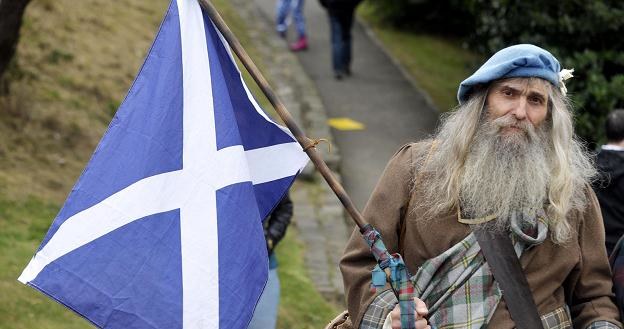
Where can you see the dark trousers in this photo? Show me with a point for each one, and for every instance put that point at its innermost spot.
(341, 23)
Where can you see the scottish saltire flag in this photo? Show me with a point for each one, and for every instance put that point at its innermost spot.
(163, 229)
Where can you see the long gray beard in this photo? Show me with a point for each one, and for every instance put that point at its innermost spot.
(506, 173)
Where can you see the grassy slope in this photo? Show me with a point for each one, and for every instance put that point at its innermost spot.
(437, 64)
(21, 227)
(75, 62)
(301, 306)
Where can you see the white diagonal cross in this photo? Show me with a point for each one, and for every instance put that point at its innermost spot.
(191, 189)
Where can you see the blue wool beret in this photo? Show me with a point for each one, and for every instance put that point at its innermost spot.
(519, 61)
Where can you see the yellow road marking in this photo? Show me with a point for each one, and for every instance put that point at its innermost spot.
(345, 124)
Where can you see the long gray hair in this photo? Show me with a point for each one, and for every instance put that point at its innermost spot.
(568, 165)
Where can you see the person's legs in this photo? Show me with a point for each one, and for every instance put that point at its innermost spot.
(265, 315)
(346, 24)
(337, 47)
(282, 10)
(302, 40)
(299, 18)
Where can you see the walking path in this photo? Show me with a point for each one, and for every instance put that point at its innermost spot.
(377, 95)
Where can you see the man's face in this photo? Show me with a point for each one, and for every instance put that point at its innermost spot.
(508, 167)
(523, 101)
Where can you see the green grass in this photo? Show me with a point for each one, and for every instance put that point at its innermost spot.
(74, 59)
(301, 305)
(438, 64)
(22, 225)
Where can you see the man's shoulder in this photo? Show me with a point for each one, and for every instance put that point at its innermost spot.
(586, 208)
(417, 149)
(408, 158)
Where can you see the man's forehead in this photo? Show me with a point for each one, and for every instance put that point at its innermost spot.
(535, 85)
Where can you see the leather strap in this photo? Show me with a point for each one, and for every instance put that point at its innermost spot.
(501, 257)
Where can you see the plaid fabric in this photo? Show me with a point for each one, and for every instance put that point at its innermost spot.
(378, 310)
(557, 319)
(528, 231)
(383, 304)
(458, 287)
(561, 319)
(602, 325)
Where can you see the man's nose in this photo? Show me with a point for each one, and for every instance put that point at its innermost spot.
(520, 109)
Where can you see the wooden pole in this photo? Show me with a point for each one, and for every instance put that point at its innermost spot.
(304, 141)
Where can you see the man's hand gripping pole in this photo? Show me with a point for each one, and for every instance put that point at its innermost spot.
(391, 268)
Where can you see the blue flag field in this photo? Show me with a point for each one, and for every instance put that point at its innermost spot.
(164, 227)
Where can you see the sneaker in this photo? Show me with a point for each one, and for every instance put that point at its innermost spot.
(282, 34)
(338, 75)
(301, 44)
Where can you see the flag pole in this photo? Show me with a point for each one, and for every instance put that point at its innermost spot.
(393, 266)
(305, 142)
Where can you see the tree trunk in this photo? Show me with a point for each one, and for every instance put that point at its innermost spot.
(11, 12)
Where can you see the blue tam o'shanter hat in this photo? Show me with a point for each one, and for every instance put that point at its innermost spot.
(519, 61)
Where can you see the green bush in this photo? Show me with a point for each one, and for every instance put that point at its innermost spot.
(449, 17)
(584, 35)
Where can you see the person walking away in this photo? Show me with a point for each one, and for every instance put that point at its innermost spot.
(610, 185)
(341, 22)
(610, 192)
(284, 8)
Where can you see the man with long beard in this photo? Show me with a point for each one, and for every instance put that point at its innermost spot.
(506, 160)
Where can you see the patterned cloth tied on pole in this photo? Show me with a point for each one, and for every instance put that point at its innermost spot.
(399, 276)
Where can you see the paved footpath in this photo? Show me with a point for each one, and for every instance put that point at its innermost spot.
(377, 95)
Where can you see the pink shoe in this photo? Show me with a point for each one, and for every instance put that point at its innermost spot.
(301, 44)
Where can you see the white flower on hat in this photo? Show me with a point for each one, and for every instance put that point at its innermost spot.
(564, 75)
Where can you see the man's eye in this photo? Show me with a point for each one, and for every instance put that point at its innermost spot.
(507, 92)
(535, 100)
